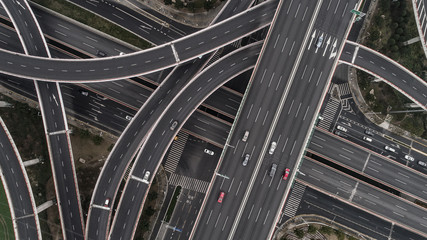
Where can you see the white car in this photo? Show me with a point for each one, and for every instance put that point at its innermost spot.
(272, 148)
(146, 177)
(210, 152)
(368, 139)
(409, 158)
(341, 128)
(388, 148)
(128, 117)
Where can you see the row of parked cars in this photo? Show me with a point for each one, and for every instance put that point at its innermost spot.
(386, 147)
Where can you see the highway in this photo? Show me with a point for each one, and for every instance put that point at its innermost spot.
(288, 45)
(388, 70)
(143, 62)
(318, 202)
(145, 23)
(18, 189)
(366, 197)
(180, 109)
(369, 164)
(58, 141)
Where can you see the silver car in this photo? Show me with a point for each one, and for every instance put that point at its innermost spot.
(246, 160)
(174, 124)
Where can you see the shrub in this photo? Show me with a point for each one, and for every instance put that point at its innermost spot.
(299, 232)
(311, 229)
(326, 230)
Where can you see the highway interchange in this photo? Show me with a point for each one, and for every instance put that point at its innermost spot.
(301, 72)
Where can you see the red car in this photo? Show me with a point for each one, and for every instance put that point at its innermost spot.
(286, 174)
(221, 197)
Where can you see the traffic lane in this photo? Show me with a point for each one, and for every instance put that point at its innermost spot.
(27, 228)
(174, 25)
(231, 8)
(315, 202)
(334, 148)
(18, 190)
(322, 176)
(124, 16)
(119, 168)
(236, 26)
(393, 74)
(269, 76)
(132, 138)
(9, 39)
(399, 177)
(126, 213)
(370, 165)
(398, 210)
(66, 187)
(98, 216)
(154, 149)
(207, 128)
(27, 25)
(87, 39)
(130, 64)
(254, 110)
(224, 101)
(369, 197)
(184, 215)
(51, 102)
(402, 233)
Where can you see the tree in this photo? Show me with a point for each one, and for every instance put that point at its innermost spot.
(311, 229)
(179, 4)
(168, 2)
(326, 230)
(97, 140)
(208, 4)
(299, 232)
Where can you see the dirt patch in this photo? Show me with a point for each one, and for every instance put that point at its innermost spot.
(89, 154)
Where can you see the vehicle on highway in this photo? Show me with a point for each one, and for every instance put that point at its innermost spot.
(319, 41)
(272, 148)
(388, 148)
(210, 152)
(286, 174)
(321, 118)
(368, 139)
(107, 202)
(273, 170)
(246, 160)
(341, 128)
(174, 124)
(409, 158)
(341, 134)
(83, 92)
(369, 132)
(245, 136)
(101, 97)
(146, 176)
(421, 163)
(221, 197)
(128, 117)
(100, 53)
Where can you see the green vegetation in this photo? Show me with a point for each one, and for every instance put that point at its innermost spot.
(172, 204)
(85, 134)
(340, 234)
(392, 24)
(299, 233)
(312, 229)
(6, 226)
(81, 15)
(326, 230)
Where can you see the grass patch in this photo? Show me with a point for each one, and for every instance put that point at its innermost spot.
(171, 207)
(81, 15)
(6, 226)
